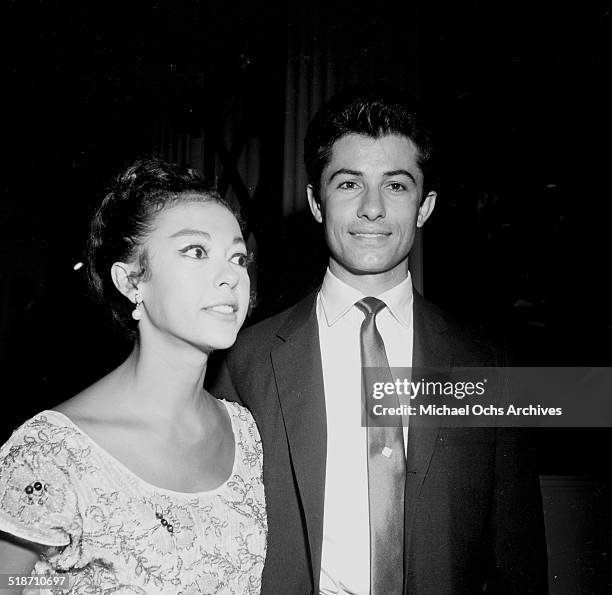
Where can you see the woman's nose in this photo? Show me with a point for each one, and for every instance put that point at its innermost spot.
(227, 275)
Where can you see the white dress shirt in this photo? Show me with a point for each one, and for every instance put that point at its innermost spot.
(345, 564)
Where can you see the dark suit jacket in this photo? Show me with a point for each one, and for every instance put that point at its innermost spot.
(473, 516)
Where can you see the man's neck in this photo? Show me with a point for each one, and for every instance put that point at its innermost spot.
(370, 284)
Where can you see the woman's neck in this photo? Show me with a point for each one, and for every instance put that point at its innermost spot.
(165, 379)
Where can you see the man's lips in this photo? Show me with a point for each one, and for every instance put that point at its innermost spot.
(369, 234)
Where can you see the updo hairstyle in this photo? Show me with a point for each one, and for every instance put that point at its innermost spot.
(125, 218)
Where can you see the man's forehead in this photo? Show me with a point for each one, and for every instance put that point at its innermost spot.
(393, 151)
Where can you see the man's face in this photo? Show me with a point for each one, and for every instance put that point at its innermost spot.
(370, 195)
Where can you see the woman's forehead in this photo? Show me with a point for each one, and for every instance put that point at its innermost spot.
(210, 216)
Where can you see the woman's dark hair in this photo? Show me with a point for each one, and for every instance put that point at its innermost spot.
(370, 111)
(126, 216)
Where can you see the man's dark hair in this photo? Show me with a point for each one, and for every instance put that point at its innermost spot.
(370, 111)
(126, 216)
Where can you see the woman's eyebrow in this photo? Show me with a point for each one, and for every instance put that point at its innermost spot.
(190, 232)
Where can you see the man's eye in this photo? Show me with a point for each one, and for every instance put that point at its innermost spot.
(397, 187)
(348, 185)
(241, 259)
(194, 251)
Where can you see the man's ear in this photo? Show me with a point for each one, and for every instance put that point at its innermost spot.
(315, 207)
(426, 208)
(123, 278)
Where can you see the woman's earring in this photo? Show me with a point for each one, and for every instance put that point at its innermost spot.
(136, 312)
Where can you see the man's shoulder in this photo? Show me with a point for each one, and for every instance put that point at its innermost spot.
(254, 344)
(468, 338)
(269, 328)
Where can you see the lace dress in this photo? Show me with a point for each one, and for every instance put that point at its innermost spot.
(113, 532)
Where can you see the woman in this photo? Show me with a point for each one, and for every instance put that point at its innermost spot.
(144, 482)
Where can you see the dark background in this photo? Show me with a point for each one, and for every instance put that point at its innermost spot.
(519, 97)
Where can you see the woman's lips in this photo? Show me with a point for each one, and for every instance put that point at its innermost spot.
(223, 311)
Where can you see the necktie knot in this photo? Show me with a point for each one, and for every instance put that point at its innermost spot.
(370, 306)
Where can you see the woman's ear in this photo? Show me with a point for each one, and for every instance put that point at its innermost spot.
(123, 278)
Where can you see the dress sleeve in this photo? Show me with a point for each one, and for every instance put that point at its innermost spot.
(37, 498)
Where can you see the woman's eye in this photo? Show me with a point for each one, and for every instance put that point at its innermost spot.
(195, 251)
(240, 259)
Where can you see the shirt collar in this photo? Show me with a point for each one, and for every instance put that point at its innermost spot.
(337, 298)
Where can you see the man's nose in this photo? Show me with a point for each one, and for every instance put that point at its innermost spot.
(372, 204)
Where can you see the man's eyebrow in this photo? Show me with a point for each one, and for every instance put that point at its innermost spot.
(238, 240)
(348, 172)
(354, 172)
(400, 172)
(190, 232)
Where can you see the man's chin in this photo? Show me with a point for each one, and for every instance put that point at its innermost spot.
(372, 266)
(370, 276)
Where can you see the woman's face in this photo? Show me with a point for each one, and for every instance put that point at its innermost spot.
(198, 287)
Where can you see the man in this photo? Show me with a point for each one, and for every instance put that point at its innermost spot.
(471, 518)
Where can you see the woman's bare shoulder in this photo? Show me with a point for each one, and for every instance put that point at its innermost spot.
(93, 403)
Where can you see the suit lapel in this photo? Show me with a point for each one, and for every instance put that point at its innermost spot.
(296, 361)
(429, 351)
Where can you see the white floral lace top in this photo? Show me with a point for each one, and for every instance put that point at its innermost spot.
(112, 532)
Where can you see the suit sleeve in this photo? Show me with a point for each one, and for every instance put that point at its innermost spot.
(517, 523)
